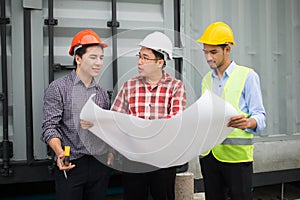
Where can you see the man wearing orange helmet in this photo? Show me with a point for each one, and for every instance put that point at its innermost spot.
(84, 177)
(227, 168)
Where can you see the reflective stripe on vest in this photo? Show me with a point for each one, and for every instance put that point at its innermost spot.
(238, 141)
(238, 146)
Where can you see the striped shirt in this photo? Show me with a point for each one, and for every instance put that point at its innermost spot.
(63, 101)
(137, 98)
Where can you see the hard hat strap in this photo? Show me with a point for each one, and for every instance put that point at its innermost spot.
(164, 53)
(76, 48)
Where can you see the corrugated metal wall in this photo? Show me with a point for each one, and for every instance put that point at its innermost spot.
(267, 36)
(137, 19)
(266, 32)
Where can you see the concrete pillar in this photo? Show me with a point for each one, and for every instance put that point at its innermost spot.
(184, 186)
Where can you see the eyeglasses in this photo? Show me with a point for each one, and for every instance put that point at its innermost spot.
(145, 59)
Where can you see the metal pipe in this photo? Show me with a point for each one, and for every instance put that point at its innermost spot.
(51, 22)
(177, 41)
(178, 61)
(28, 85)
(114, 26)
(5, 171)
(51, 40)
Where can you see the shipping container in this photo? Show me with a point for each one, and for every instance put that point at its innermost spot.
(35, 39)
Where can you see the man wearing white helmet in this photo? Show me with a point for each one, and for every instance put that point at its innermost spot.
(154, 94)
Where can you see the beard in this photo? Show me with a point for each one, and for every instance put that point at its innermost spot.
(212, 64)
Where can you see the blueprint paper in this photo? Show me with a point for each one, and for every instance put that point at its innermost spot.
(163, 142)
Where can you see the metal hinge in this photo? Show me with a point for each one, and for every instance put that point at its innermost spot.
(52, 22)
(59, 67)
(2, 96)
(4, 20)
(113, 24)
(177, 52)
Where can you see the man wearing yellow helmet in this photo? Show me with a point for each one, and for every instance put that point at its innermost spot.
(227, 168)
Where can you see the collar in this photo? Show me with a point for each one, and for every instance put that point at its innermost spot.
(165, 78)
(76, 79)
(227, 72)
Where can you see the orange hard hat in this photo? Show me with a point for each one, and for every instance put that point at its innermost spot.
(85, 37)
(217, 33)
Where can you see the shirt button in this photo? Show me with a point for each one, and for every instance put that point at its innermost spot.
(220, 85)
(149, 105)
(149, 118)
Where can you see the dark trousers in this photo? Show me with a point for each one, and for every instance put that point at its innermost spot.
(88, 180)
(222, 180)
(160, 184)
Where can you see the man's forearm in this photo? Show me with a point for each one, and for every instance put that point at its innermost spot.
(55, 145)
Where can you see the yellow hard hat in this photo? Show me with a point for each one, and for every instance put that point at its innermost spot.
(217, 33)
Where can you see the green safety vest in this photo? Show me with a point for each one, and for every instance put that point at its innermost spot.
(238, 146)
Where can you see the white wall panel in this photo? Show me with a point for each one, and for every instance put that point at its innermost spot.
(137, 19)
(267, 37)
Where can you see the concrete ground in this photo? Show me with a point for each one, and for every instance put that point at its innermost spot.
(272, 192)
(45, 191)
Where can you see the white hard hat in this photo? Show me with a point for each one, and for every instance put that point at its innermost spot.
(160, 43)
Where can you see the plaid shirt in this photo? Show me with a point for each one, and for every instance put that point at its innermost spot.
(137, 98)
(63, 101)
